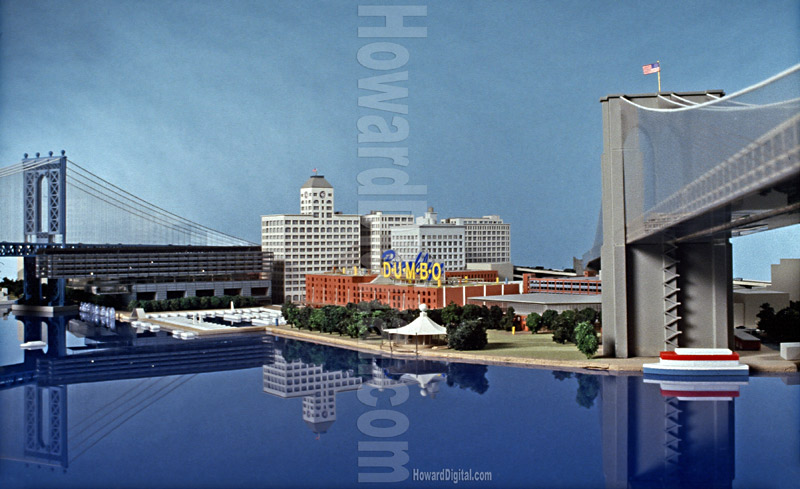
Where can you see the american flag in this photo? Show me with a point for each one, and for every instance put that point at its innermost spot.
(651, 68)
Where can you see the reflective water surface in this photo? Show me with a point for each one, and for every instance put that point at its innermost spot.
(101, 408)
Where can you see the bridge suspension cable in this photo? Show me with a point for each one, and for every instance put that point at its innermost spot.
(160, 220)
(693, 157)
(771, 91)
(130, 411)
(99, 212)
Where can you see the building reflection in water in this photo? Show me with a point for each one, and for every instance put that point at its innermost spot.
(317, 386)
(664, 434)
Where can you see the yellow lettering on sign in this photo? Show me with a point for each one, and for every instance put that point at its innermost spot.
(397, 271)
(410, 272)
(386, 272)
(436, 271)
(423, 271)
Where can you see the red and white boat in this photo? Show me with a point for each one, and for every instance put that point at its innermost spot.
(697, 362)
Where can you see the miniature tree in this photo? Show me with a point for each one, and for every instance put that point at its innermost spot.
(766, 318)
(355, 325)
(564, 327)
(549, 318)
(587, 314)
(534, 322)
(508, 319)
(316, 320)
(290, 312)
(495, 315)
(469, 335)
(451, 315)
(586, 339)
(303, 317)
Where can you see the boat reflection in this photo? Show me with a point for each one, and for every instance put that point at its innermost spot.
(696, 388)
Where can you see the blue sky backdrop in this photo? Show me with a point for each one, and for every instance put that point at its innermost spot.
(219, 111)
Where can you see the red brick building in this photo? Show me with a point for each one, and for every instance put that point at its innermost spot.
(578, 285)
(339, 289)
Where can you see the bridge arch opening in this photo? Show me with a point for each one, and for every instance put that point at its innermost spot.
(42, 197)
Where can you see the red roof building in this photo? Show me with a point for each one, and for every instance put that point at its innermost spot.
(340, 289)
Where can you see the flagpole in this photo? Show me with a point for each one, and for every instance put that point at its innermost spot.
(659, 75)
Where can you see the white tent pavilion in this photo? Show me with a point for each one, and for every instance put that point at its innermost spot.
(422, 326)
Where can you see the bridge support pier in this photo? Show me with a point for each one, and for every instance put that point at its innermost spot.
(704, 300)
(31, 286)
(706, 283)
(657, 294)
(53, 293)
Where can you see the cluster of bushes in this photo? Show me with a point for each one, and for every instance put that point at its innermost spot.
(491, 317)
(194, 303)
(353, 320)
(467, 335)
(781, 326)
(571, 326)
(466, 325)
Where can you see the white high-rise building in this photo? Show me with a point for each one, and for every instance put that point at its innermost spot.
(487, 239)
(376, 235)
(314, 241)
(444, 243)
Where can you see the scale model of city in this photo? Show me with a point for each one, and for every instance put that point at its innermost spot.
(663, 252)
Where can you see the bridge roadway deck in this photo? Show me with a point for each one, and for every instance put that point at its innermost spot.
(17, 249)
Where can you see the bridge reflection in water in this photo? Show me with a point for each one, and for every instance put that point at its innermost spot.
(665, 435)
(652, 436)
(108, 355)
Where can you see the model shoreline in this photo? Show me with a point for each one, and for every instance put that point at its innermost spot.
(759, 361)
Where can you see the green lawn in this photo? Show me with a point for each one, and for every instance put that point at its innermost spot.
(501, 344)
(527, 345)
